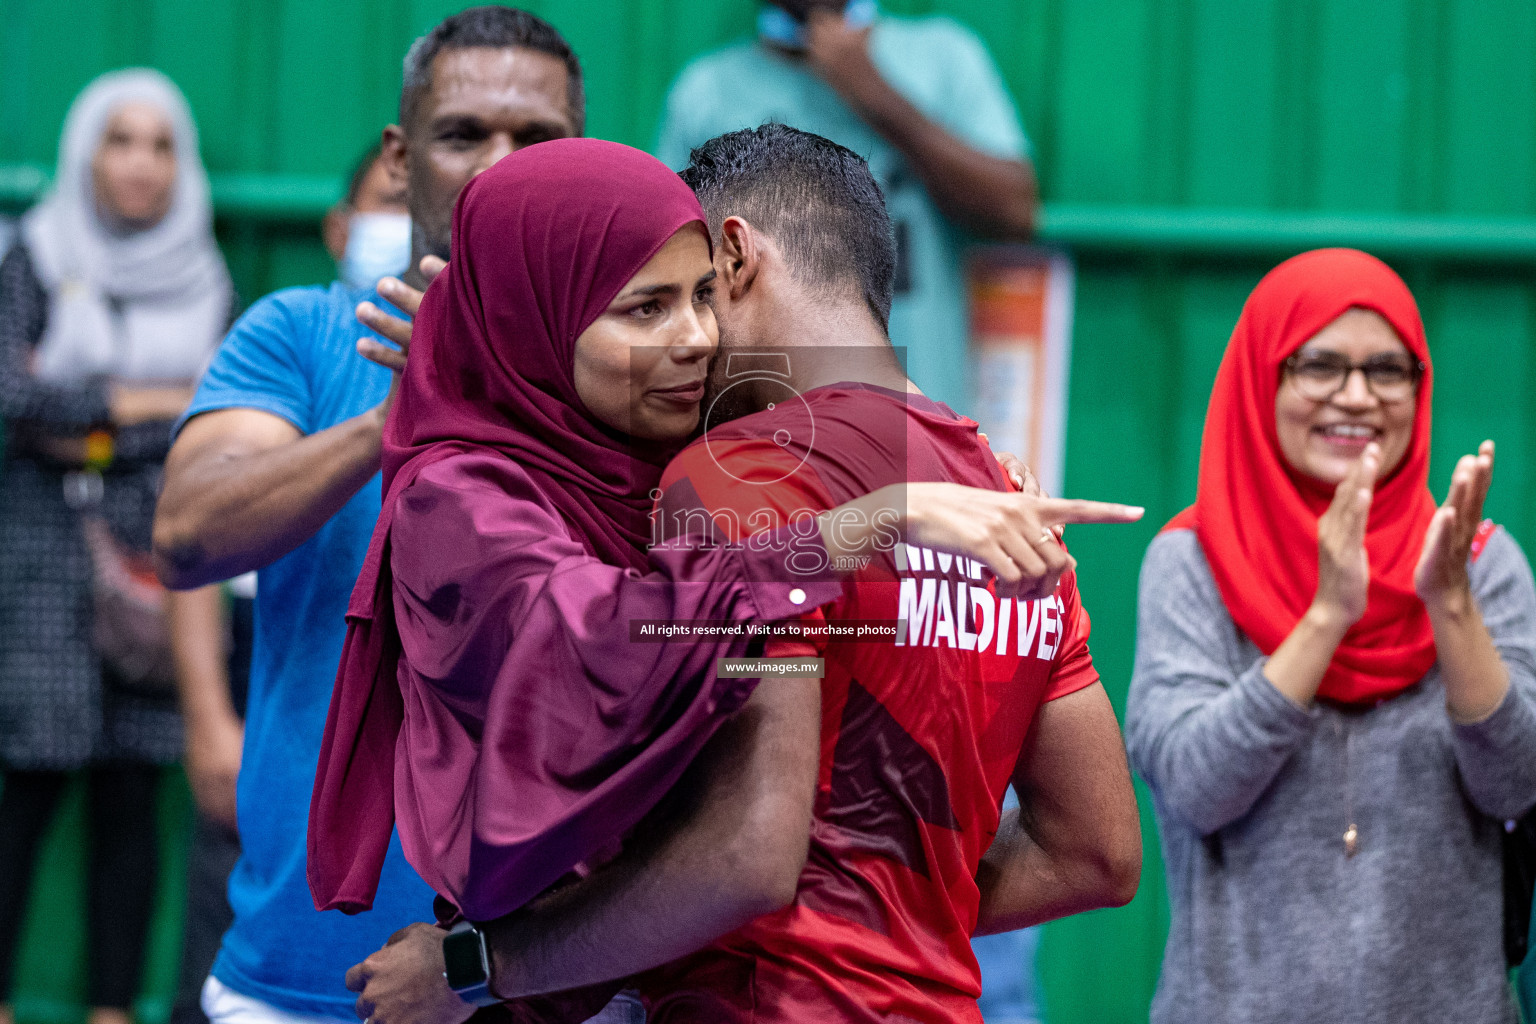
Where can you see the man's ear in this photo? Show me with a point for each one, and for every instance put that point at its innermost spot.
(394, 152)
(741, 257)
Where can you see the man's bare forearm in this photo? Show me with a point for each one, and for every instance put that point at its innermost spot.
(197, 645)
(990, 195)
(1023, 885)
(214, 733)
(1075, 842)
(627, 919)
(226, 510)
(731, 848)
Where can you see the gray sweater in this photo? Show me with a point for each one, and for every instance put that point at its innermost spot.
(1271, 921)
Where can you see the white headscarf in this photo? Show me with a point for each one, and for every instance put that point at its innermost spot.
(146, 306)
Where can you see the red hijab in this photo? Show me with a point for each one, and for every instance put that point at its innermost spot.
(1256, 517)
(542, 242)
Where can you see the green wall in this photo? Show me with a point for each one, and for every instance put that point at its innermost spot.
(1184, 147)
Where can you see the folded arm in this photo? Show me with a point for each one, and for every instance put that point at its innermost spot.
(55, 406)
(992, 195)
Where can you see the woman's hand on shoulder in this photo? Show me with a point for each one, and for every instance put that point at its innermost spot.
(1297, 666)
(1441, 577)
(1343, 569)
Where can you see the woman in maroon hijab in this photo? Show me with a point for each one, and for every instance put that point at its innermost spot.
(489, 693)
(491, 696)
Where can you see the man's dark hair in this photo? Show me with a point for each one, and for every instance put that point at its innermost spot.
(497, 28)
(360, 171)
(816, 199)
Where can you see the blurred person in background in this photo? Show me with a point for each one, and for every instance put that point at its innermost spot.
(111, 301)
(276, 468)
(211, 633)
(1334, 699)
(922, 101)
(369, 235)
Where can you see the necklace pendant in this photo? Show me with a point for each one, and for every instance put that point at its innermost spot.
(1351, 840)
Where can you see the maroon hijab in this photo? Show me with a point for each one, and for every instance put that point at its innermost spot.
(542, 242)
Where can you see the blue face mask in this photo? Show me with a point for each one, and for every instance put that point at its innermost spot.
(776, 25)
(378, 245)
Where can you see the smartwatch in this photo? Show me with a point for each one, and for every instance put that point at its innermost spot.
(467, 964)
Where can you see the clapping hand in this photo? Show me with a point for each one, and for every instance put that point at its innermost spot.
(1343, 569)
(1441, 576)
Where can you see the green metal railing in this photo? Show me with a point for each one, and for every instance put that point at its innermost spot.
(259, 197)
(1219, 232)
(1102, 228)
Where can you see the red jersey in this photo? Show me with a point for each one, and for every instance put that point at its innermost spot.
(923, 719)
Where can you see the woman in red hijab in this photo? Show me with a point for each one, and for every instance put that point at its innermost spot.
(1334, 699)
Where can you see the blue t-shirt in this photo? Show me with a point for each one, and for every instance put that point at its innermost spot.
(294, 354)
(944, 70)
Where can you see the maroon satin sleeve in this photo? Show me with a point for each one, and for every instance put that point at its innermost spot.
(537, 728)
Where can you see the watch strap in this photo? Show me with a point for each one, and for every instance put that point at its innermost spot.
(467, 964)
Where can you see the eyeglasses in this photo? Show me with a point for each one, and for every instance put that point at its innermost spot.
(1319, 376)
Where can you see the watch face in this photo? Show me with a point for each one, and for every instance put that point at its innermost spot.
(461, 959)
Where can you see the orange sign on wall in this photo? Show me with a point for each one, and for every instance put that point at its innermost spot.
(1021, 342)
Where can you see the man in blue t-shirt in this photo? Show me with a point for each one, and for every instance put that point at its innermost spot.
(922, 101)
(275, 468)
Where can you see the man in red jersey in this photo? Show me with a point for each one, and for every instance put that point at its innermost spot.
(937, 691)
(932, 679)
